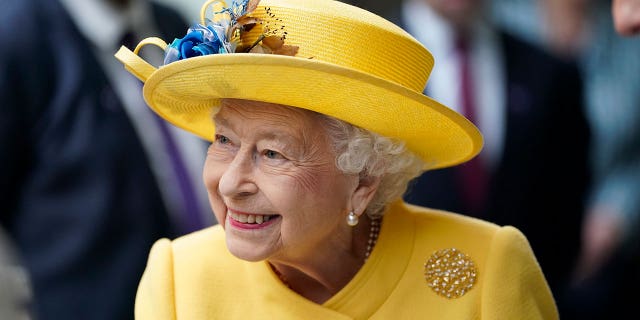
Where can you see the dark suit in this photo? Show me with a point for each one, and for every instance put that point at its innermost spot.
(78, 195)
(541, 180)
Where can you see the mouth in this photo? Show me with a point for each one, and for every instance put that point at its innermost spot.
(250, 219)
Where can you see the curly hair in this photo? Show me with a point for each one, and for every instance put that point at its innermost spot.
(362, 152)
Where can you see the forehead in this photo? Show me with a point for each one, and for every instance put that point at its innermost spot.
(264, 118)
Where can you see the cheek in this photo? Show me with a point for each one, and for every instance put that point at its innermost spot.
(306, 181)
(211, 176)
(315, 190)
(292, 183)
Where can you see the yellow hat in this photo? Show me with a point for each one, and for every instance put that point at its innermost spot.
(346, 62)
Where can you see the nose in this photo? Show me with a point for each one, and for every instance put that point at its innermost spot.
(238, 179)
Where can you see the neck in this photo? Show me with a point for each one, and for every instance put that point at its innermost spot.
(322, 276)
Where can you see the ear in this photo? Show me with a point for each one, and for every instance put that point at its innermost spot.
(363, 194)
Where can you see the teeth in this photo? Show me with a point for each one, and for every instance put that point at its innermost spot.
(249, 218)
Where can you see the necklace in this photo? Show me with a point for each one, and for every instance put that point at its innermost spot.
(373, 236)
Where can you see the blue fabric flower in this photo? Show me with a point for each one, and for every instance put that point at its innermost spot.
(199, 41)
(222, 34)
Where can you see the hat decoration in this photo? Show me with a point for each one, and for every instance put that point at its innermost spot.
(223, 33)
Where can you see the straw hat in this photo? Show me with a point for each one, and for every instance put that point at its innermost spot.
(341, 61)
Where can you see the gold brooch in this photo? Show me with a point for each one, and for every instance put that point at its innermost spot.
(450, 273)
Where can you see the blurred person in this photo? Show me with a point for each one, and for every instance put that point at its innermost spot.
(533, 171)
(626, 15)
(87, 184)
(314, 140)
(564, 25)
(608, 269)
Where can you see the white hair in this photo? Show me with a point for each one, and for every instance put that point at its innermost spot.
(370, 155)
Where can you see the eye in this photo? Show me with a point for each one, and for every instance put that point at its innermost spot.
(222, 139)
(272, 154)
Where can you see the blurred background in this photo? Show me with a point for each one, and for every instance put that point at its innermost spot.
(554, 89)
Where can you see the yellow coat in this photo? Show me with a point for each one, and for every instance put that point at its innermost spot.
(195, 277)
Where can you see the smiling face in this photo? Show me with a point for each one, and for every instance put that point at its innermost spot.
(273, 183)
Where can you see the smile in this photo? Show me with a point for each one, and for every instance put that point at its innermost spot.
(250, 218)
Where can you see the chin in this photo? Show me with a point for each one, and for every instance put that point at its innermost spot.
(245, 250)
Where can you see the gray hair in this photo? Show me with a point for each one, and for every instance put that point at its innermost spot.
(362, 152)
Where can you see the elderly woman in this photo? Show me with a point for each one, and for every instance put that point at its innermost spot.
(318, 124)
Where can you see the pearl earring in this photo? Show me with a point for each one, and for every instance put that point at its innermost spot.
(352, 219)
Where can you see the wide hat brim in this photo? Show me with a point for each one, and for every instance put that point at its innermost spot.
(184, 93)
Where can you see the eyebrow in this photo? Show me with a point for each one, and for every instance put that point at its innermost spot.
(285, 137)
(220, 120)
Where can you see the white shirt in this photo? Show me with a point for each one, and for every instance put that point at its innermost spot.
(488, 78)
